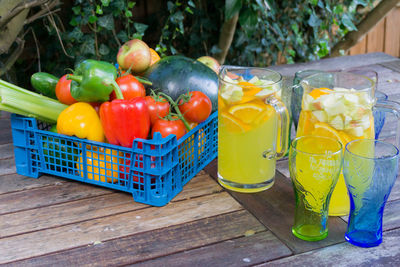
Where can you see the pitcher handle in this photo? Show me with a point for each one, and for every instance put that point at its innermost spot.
(394, 108)
(283, 114)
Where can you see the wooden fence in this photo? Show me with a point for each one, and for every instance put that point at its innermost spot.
(384, 37)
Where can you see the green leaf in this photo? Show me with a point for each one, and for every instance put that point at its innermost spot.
(140, 27)
(232, 7)
(105, 2)
(76, 34)
(346, 21)
(104, 50)
(92, 19)
(314, 21)
(76, 10)
(131, 4)
(123, 36)
(73, 22)
(314, 2)
(190, 3)
(170, 6)
(338, 9)
(106, 21)
(99, 10)
(87, 47)
(188, 10)
(128, 13)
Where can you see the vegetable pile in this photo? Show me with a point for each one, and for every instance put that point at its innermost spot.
(104, 102)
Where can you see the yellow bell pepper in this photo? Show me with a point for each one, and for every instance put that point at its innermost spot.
(100, 165)
(81, 119)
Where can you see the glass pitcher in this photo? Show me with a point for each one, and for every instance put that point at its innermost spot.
(340, 105)
(253, 126)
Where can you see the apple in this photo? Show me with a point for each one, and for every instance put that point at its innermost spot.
(134, 54)
(210, 62)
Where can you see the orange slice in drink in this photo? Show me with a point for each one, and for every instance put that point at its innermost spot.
(306, 123)
(323, 129)
(249, 89)
(246, 112)
(233, 124)
(316, 93)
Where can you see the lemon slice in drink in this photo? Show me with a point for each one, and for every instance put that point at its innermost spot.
(233, 124)
(323, 129)
(247, 112)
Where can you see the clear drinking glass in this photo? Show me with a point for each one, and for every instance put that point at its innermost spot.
(370, 169)
(253, 127)
(314, 164)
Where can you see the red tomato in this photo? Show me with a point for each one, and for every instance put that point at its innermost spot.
(166, 127)
(157, 108)
(197, 109)
(63, 91)
(130, 87)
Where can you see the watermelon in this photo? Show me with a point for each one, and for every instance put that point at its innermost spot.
(176, 75)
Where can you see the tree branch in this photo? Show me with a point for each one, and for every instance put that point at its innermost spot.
(372, 18)
(18, 9)
(14, 56)
(226, 37)
(43, 12)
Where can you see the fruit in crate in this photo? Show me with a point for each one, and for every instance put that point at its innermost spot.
(176, 75)
(134, 54)
(210, 62)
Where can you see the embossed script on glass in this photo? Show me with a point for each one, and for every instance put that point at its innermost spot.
(314, 164)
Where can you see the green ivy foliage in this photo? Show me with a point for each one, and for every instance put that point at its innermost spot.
(267, 32)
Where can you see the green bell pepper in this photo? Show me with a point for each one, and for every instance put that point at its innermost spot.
(93, 81)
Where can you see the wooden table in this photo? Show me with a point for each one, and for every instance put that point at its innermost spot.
(57, 222)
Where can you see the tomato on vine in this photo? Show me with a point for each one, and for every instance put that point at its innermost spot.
(195, 106)
(130, 87)
(158, 107)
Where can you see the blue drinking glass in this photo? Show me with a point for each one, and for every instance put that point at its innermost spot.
(379, 116)
(370, 169)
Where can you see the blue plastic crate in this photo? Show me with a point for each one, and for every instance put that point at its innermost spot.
(154, 171)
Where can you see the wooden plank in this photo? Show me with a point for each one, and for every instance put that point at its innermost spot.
(90, 208)
(360, 47)
(376, 38)
(16, 182)
(6, 151)
(393, 65)
(5, 124)
(345, 254)
(7, 166)
(335, 63)
(5, 137)
(157, 243)
(244, 251)
(106, 228)
(275, 209)
(392, 36)
(49, 195)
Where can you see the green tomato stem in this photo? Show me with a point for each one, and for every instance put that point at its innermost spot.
(176, 108)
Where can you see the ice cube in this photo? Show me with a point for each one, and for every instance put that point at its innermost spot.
(356, 131)
(320, 115)
(337, 123)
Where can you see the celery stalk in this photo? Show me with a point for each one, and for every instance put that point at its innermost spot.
(17, 100)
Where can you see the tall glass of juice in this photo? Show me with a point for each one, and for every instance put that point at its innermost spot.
(251, 116)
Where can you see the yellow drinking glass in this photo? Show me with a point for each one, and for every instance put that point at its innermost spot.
(314, 164)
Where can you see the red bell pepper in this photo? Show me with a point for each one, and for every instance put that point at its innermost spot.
(125, 120)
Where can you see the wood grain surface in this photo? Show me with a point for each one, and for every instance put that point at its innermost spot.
(51, 221)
